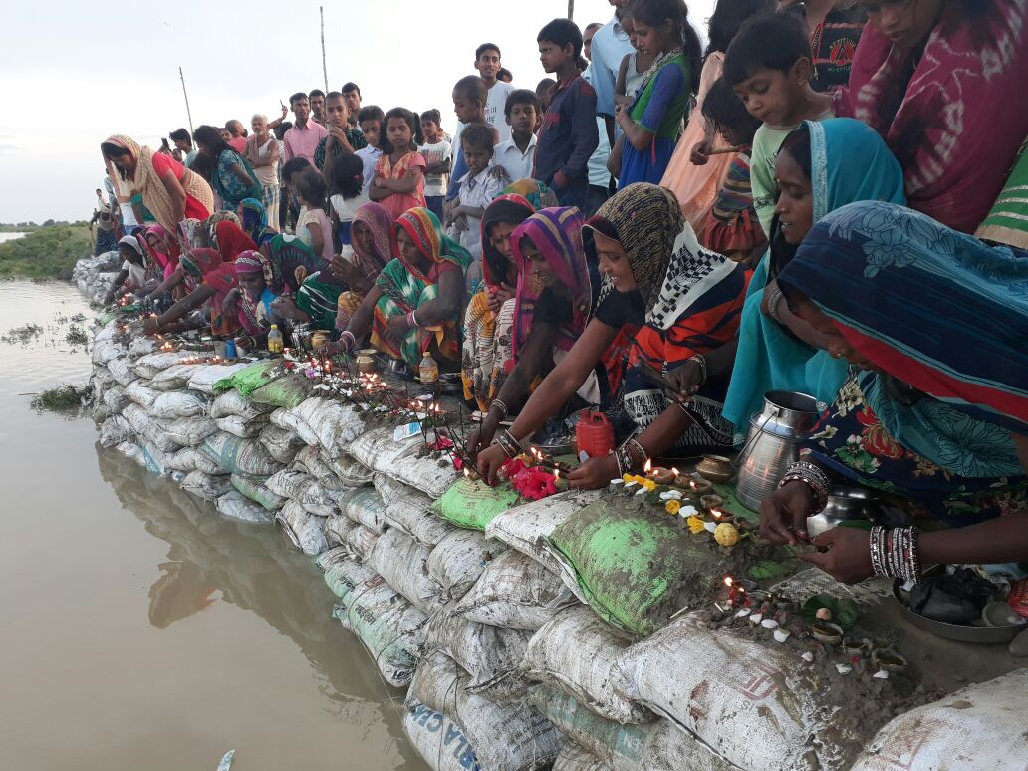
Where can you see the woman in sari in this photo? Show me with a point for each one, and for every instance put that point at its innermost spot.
(165, 249)
(254, 296)
(533, 191)
(676, 304)
(416, 300)
(820, 167)
(934, 414)
(233, 178)
(305, 288)
(169, 190)
(489, 317)
(229, 239)
(369, 238)
(214, 279)
(550, 310)
(919, 64)
(254, 221)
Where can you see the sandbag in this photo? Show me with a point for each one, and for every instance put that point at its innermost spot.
(586, 669)
(255, 489)
(121, 371)
(302, 488)
(282, 443)
(190, 431)
(431, 475)
(178, 404)
(240, 456)
(205, 486)
(388, 625)
(515, 592)
(115, 399)
(205, 376)
(573, 757)
(106, 351)
(150, 429)
(458, 560)
(473, 504)
(489, 654)
(114, 431)
(337, 529)
(377, 449)
(173, 377)
(400, 560)
(151, 365)
(139, 345)
(360, 542)
(980, 726)
(183, 460)
(140, 393)
(155, 460)
(305, 530)
(505, 738)
(285, 391)
(343, 576)
(349, 472)
(232, 402)
(327, 423)
(131, 450)
(657, 746)
(438, 740)
(248, 376)
(310, 461)
(283, 418)
(366, 507)
(241, 427)
(235, 506)
(392, 490)
(528, 527)
(753, 702)
(412, 513)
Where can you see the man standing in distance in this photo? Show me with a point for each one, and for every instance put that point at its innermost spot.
(317, 100)
(303, 138)
(609, 47)
(352, 95)
(487, 62)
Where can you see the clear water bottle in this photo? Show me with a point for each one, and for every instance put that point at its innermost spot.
(275, 344)
(428, 370)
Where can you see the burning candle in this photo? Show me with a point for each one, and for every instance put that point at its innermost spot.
(662, 475)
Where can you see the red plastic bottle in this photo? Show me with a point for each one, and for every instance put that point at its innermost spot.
(595, 434)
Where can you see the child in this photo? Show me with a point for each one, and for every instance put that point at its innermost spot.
(544, 90)
(477, 189)
(370, 119)
(437, 153)
(313, 226)
(652, 125)
(768, 65)
(400, 174)
(732, 227)
(517, 154)
(469, 99)
(348, 180)
(630, 77)
(568, 135)
(487, 62)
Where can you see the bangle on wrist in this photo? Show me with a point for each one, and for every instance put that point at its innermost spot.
(702, 362)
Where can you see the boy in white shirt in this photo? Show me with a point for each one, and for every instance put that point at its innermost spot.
(437, 153)
(523, 112)
(487, 62)
(370, 119)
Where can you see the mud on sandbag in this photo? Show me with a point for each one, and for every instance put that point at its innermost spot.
(337, 529)
(140, 393)
(121, 371)
(150, 429)
(377, 449)
(657, 746)
(505, 738)
(438, 740)
(360, 542)
(400, 560)
(189, 432)
(255, 489)
(586, 669)
(344, 576)
(427, 474)
(116, 400)
(515, 592)
(309, 460)
(235, 506)
(473, 504)
(184, 460)
(364, 506)
(282, 444)
(573, 757)
(204, 486)
(459, 558)
(490, 655)
(242, 456)
(304, 489)
(528, 527)
(328, 424)
(350, 473)
(114, 431)
(151, 365)
(169, 405)
(305, 530)
(241, 427)
(232, 402)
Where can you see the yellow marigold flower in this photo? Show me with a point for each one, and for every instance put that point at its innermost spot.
(696, 525)
(672, 507)
(649, 484)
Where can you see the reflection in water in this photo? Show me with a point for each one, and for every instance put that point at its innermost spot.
(210, 558)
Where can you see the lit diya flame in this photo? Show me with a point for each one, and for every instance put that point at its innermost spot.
(647, 466)
(675, 471)
(729, 581)
(716, 513)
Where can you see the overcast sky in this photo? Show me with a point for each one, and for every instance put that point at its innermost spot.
(72, 74)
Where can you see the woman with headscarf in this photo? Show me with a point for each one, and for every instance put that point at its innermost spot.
(214, 280)
(253, 219)
(369, 239)
(820, 167)
(254, 295)
(415, 303)
(133, 275)
(169, 190)
(550, 311)
(229, 239)
(489, 317)
(305, 288)
(165, 249)
(934, 414)
(533, 191)
(233, 178)
(674, 303)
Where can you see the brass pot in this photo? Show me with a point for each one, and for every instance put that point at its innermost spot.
(715, 468)
(320, 338)
(366, 363)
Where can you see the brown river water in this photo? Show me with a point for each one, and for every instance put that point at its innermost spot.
(140, 630)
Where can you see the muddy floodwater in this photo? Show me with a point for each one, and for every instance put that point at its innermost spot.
(140, 630)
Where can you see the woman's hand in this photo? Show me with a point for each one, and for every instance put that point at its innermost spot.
(497, 297)
(783, 514)
(489, 461)
(232, 298)
(397, 327)
(847, 557)
(700, 152)
(285, 306)
(684, 381)
(771, 292)
(594, 474)
(480, 438)
(151, 326)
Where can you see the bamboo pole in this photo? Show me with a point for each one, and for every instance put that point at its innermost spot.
(324, 66)
(189, 115)
(571, 9)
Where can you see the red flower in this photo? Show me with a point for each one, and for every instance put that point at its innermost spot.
(511, 467)
(534, 483)
(877, 440)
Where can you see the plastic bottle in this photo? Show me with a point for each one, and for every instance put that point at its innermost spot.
(428, 370)
(275, 344)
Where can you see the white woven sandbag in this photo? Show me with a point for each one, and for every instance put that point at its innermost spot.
(400, 560)
(205, 376)
(587, 669)
(190, 431)
(310, 461)
(114, 431)
(282, 418)
(241, 427)
(489, 654)
(980, 726)
(254, 489)
(306, 531)
(282, 443)
(377, 449)
(242, 456)
(231, 402)
(430, 475)
(205, 486)
(151, 429)
(184, 460)
(302, 488)
(337, 529)
(121, 371)
(235, 506)
(140, 393)
(573, 757)
(115, 399)
(459, 558)
(349, 472)
(438, 740)
(172, 378)
(360, 542)
(131, 450)
(106, 351)
(328, 423)
(366, 507)
(150, 365)
(527, 527)
(515, 592)
(154, 459)
(177, 404)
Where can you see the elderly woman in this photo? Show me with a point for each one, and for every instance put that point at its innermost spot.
(214, 279)
(666, 304)
(262, 152)
(168, 189)
(232, 178)
(934, 413)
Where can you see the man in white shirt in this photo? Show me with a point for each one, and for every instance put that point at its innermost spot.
(523, 112)
(609, 46)
(487, 62)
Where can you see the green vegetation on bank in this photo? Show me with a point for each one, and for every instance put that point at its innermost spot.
(46, 253)
(28, 227)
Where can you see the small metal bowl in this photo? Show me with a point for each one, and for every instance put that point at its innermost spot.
(715, 468)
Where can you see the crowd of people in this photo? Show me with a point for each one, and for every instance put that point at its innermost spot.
(829, 199)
